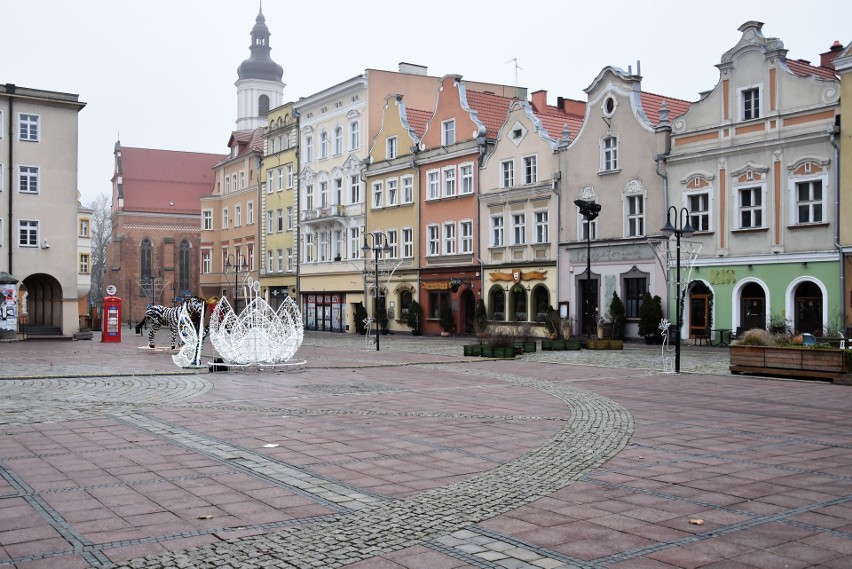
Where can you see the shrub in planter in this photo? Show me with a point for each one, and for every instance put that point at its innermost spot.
(414, 317)
(480, 320)
(445, 317)
(487, 351)
(617, 316)
(650, 314)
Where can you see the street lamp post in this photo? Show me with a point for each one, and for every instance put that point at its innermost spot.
(237, 269)
(379, 246)
(589, 210)
(680, 228)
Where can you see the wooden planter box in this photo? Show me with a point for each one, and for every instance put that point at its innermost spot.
(807, 363)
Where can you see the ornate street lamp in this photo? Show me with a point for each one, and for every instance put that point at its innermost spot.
(379, 247)
(589, 210)
(680, 228)
(237, 269)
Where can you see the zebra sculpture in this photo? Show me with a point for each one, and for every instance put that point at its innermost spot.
(157, 316)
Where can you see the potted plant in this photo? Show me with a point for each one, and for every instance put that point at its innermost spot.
(650, 314)
(760, 352)
(480, 320)
(445, 318)
(618, 317)
(382, 317)
(414, 317)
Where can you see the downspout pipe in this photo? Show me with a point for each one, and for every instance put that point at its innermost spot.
(10, 90)
(837, 244)
(665, 176)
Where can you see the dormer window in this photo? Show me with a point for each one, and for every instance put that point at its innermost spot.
(391, 148)
(448, 132)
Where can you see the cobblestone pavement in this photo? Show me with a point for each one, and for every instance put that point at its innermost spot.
(417, 457)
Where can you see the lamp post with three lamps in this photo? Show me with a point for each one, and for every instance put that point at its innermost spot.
(681, 228)
(379, 247)
(589, 210)
(236, 269)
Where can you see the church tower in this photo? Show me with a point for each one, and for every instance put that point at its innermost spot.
(259, 85)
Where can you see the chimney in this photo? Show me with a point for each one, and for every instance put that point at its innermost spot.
(827, 59)
(412, 68)
(539, 100)
(573, 107)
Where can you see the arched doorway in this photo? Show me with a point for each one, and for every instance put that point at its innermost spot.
(808, 308)
(44, 301)
(700, 319)
(752, 307)
(518, 304)
(540, 302)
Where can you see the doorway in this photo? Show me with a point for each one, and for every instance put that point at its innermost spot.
(699, 310)
(752, 307)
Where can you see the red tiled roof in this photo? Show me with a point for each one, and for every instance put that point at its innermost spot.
(554, 119)
(491, 110)
(246, 141)
(417, 120)
(803, 68)
(652, 102)
(154, 179)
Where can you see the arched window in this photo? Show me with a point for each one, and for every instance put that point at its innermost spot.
(541, 302)
(518, 300)
(808, 317)
(338, 140)
(262, 105)
(324, 144)
(497, 303)
(146, 271)
(184, 271)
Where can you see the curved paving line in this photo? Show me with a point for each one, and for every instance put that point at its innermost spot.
(596, 429)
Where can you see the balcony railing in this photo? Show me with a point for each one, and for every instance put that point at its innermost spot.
(317, 213)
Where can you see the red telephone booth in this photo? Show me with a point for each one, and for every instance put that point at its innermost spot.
(112, 320)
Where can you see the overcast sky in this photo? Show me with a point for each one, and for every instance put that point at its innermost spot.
(160, 74)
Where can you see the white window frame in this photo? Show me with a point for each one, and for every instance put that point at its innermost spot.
(250, 213)
(32, 229)
(391, 147)
(289, 176)
(466, 176)
(227, 184)
(289, 267)
(392, 185)
(354, 242)
(279, 220)
(238, 216)
(756, 188)
(433, 240)
(449, 238)
(407, 189)
(519, 228)
(586, 227)
(206, 261)
(530, 167)
(280, 172)
(28, 179)
(323, 193)
(797, 204)
(377, 194)
(324, 247)
(392, 236)
(242, 179)
(84, 225)
(448, 181)
(206, 219)
(309, 248)
(541, 222)
(29, 128)
(224, 218)
(309, 148)
(288, 218)
(355, 135)
(269, 268)
(465, 236)
(269, 179)
(337, 244)
(354, 189)
(448, 132)
(270, 224)
(744, 99)
(433, 184)
(507, 173)
(497, 231)
(700, 219)
(609, 153)
(323, 145)
(338, 140)
(407, 242)
(634, 215)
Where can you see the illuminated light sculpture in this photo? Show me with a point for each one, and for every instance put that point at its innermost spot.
(189, 355)
(258, 335)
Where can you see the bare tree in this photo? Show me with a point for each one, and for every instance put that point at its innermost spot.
(101, 232)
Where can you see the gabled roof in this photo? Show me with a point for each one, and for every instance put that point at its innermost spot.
(152, 179)
(652, 102)
(490, 109)
(246, 141)
(417, 120)
(803, 68)
(554, 120)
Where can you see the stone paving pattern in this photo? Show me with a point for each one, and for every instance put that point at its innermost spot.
(417, 457)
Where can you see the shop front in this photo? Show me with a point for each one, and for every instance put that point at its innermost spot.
(325, 312)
